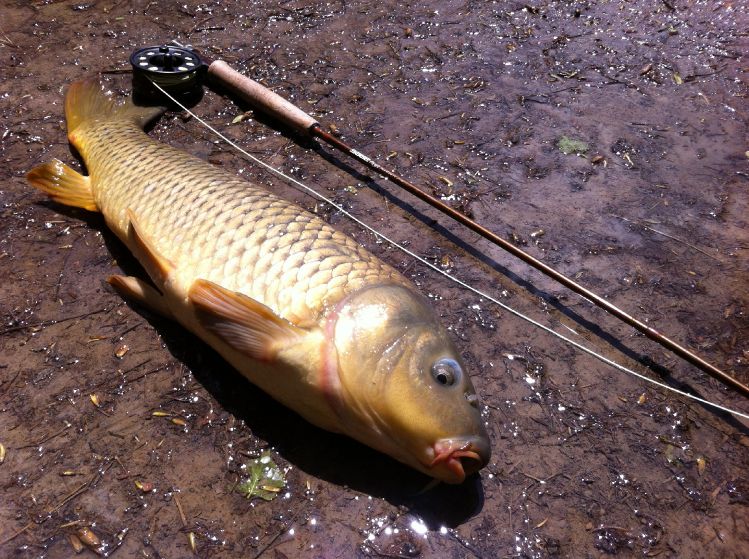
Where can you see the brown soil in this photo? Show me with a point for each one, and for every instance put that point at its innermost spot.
(470, 100)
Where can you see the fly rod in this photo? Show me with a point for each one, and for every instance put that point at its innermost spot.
(180, 69)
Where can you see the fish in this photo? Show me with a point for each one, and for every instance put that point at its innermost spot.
(299, 308)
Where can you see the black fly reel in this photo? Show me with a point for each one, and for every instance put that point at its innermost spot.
(178, 70)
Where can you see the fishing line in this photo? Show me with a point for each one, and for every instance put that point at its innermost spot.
(458, 281)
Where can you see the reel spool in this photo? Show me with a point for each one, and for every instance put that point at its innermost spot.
(179, 70)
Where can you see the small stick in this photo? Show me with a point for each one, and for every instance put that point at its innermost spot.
(190, 535)
(677, 239)
(48, 437)
(181, 512)
(50, 322)
(81, 489)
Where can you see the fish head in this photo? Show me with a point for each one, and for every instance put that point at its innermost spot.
(403, 386)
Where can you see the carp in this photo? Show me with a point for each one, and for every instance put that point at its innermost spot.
(300, 309)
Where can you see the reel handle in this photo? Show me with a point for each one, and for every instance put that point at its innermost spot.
(261, 97)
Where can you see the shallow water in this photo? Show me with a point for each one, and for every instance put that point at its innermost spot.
(470, 100)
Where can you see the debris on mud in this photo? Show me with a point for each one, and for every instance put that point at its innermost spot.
(571, 146)
(264, 479)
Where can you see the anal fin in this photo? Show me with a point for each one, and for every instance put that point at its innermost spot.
(63, 184)
(141, 292)
(157, 266)
(245, 324)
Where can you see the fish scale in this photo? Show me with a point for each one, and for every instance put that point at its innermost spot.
(214, 226)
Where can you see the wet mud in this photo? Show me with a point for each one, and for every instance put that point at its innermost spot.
(609, 140)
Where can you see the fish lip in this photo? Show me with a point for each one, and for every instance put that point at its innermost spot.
(458, 458)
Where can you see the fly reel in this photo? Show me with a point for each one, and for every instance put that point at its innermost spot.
(178, 70)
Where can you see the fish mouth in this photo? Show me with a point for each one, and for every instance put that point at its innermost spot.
(456, 459)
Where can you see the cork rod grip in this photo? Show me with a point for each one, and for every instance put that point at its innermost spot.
(261, 97)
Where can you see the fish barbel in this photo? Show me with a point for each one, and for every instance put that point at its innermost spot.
(302, 310)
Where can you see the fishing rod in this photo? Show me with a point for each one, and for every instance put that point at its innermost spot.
(180, 70)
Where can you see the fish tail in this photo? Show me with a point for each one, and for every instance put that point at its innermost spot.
(86, 101)
(63, 184)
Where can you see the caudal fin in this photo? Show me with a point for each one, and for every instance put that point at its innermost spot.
(86, 101)
(63, 184)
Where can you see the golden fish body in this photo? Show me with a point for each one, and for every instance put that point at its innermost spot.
(299, 308)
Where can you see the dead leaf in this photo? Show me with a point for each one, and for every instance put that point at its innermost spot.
(266, 480)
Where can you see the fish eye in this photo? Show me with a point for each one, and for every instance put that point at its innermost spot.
(446, 372)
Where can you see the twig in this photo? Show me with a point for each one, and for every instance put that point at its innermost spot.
(130, 329)
(7, 385)
(6, 40)
(48, 437)
(73, 495)
(283, 530)
(271, 542)
(53, 321)
(534, 478)
(81, 489)
(181, 512)
(64, 266)
(617, 528)
(156, 370)
(201, 22)
(16, 533)
(539, 480)
(127, 473)
(465, 544)
(677, 239)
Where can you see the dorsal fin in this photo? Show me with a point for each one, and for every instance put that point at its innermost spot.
(86, 101)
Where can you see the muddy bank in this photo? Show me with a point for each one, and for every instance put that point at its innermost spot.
(478, 103)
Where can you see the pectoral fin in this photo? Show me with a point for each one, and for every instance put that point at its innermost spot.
(157, 266)
(63, 184)
(141, 292)
(245, 324)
